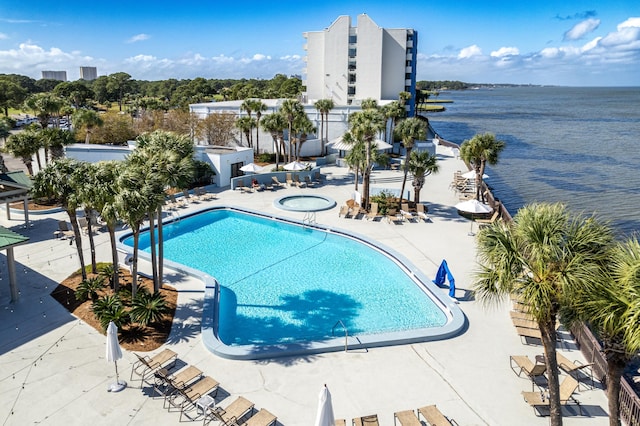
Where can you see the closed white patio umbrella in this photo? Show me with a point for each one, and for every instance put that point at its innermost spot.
(340, 145)
(325, 416)
(113, 354)
(471, 174)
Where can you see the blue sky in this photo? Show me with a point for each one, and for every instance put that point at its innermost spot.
(577, 43)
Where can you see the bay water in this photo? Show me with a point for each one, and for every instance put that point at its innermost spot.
(578, 146)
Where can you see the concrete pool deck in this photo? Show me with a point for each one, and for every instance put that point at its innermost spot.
(54, 369)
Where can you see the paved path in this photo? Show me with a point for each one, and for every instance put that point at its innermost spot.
(53, 368)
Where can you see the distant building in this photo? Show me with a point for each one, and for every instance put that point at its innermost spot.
(88, 73)
(349, 64)
(55, 75)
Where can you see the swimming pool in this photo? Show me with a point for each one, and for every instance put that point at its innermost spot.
(287, 289)
(304, 203)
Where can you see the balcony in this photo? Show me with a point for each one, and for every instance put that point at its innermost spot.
(409, 43)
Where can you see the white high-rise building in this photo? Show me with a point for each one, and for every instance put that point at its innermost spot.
(55, 75)
(349, 64)
(88, 73)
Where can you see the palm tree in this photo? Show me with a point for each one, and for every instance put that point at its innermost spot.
(259, 107)
(478, 151)
(86, 183)
(57, 181)
(610, 305)
(357, 156)
(170, 157)
(365, 125)
(275, 124)
(247, 105)
(104, 198)
(88, 119)
(369, 103)
(44, 106)
(410, 130)
(421, 165)
(542, 258)
(290, 109)
(56, 139)
(302, 127)
(24, 145)
(245, 125)
(393, 111)
(324, 106)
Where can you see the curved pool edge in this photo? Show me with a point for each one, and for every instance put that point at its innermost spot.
(277, 203)
(456, 320)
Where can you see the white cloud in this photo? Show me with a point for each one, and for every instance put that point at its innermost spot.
(469, 52)
(30, 59)
(3, 36)
(581, 29)
(630, 23)
(139, 37)
(505, 51)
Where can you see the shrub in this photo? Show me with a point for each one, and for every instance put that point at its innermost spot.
(89, 289)
(385, 200)
(106, 273)
(147, 307)
(111, 308)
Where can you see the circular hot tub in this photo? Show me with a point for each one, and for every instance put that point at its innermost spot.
(304, 203)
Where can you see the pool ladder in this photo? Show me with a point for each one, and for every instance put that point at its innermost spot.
(346, 334)
(309, 218)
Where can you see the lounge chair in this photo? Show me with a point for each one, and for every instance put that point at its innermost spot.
(340, 422)
(173, 202)
(371, 420)
(525, 333)
(487, 222)
(574, 368)
(373, 212)
(289, 180)
(522, 364)
(261, 418)
(406, 418)
(230, 414)
(64, 232)
(317, 178)
(276, 182)
(241, 187)
(145, 366)
(84, 225)
(355, 211)
(392, 215)
(344, 211)
(540, 399)
(186, 399)
(422, 212)
(167, 383)
(297, 182)
(308, 181)
(433, 416)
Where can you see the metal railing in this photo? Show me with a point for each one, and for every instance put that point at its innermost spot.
(346, 333)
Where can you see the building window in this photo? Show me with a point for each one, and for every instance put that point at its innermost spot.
(352, 78)
(409, 49)
(407, 64)
(352, 67)
(352, 53)
(353, 39)
(351, 90)
(407, 76)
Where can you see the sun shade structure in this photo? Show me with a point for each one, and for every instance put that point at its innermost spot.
(113, 354)
(9, 240)
(295, 166)
(473, 207)
(325, 417)
(251, 168)
(340, 145)
(15, 186)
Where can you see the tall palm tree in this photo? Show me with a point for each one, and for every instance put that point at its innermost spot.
(356, 157)
(410, 130)
(259, 107)
(57, 180)
(88, 119)
(245, 125)
(24, 145)
(86, 183)
(611, 307)
(478, 151)
(45, 106)
(275, 124)
(302, 127)
(170, 158)
(421, 165)
(393, 111)
(104, 198)
(247, 106)
(290, 109)
(369, 103)
(365, 125)
(543, 258)
(324, 106)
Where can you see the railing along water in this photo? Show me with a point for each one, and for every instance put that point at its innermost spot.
(346, 333)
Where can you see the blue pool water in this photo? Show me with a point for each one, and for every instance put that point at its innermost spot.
(280, 283)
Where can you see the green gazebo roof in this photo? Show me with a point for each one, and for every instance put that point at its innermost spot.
(18, 177)
(9, 238)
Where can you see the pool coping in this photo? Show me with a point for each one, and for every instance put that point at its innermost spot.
(456, 320)
(331, 203)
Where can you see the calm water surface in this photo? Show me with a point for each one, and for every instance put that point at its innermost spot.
(579, 146)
